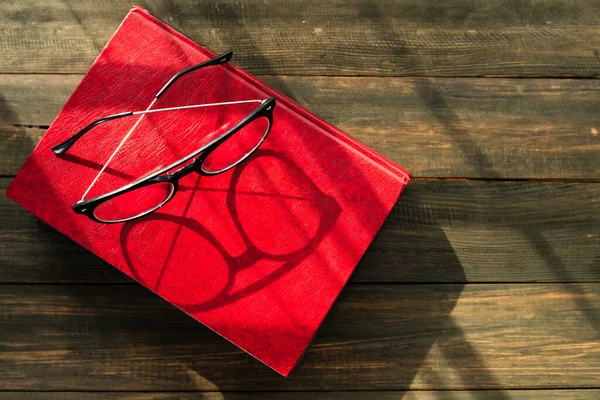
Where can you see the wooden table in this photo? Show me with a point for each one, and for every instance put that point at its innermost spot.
(484, 281)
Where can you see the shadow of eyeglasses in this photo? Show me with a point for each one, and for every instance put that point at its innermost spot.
(327, 212)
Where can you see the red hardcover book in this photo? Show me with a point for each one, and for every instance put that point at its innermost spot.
(258, 253)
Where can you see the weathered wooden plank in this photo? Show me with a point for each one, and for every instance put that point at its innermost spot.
(366, 37)
(440, 231)
(16, 144)
(590, 394)
(378, 337)
(425, 13)
(448, 127)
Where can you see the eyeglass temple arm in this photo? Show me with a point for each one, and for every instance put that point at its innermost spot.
(220, 59)
(66, 145)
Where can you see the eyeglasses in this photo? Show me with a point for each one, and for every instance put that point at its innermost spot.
(153, 191)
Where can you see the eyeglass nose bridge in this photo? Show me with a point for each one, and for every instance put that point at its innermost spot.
(193, 166)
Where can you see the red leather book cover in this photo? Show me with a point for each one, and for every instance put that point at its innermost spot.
(258, 253)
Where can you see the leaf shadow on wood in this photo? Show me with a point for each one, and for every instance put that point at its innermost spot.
(371, 12)
(452, 127)
(535, 237)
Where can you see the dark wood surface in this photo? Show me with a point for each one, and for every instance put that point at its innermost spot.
(338, 37)
(378, 337)
(363, 395)
(484, 282)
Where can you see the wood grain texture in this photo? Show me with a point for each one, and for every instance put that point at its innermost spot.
(440, 231)
(311, 37)
(380, 395)
(391, 337)
(447, 127)
(477, 333)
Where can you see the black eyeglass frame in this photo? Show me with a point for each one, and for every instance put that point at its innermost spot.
(87, 207)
